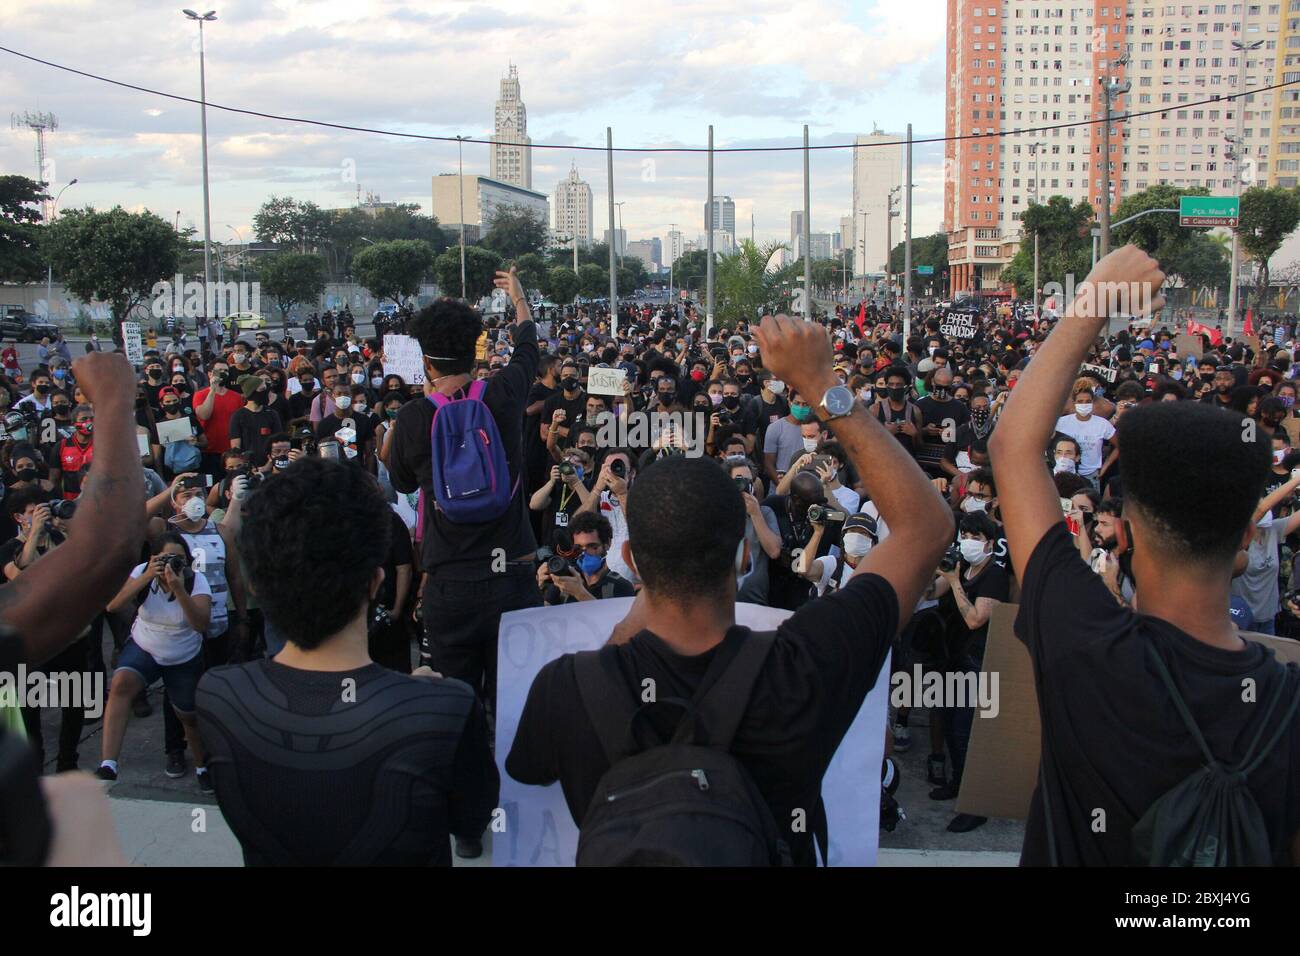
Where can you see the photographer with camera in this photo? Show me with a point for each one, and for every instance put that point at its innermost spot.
(803, 537)
(609, 498)
(762, 533)
(564, 493)
(589, 578)
(174, 610)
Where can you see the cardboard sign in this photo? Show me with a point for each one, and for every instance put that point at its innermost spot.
(958, 325)
(606, 381)
(402, 357)
(1250, 341)
(1002, 760)
(1188, 345)
(1103, 372)
(132, 343)
(539, 830)
(1292, 426)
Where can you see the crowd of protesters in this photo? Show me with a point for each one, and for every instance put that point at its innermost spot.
(298, 536)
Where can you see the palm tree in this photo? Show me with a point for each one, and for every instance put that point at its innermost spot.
(742, 283)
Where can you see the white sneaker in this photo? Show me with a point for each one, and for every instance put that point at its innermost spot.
(902, 739)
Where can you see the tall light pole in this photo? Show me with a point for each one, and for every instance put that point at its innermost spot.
(862, 244)
(1237, 154)
(460, 187)
(243, 256)
(807, 232)
(1111, 89)
(203, 114)
(672, 259)
(891, 214)
(907, 245)
(49, 269)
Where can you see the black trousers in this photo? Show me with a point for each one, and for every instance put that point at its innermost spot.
(72, 659)
(461, 618)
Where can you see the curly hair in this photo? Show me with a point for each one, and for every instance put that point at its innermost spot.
(448, 331)
(311, 539)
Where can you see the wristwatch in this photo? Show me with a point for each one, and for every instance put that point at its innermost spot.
(836, 403)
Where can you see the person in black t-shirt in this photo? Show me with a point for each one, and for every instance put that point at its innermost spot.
(359, 447)
(571, 399)
(252, 426)
(475, 572)
(1112, 737)
(968, 594)
(825, 658)
(390, 636)
(536, 461)
(310, 767)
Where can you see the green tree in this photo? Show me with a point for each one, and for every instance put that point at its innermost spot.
(1268, 216)
(632, 274)
(116, 257)
(593, 281)
(288, 221)
(1064, 245)
(742, 284)
(292, 278)
(561, 284)
(691, 266)
(931, 250)
(1188, 256)
(532, 270)
(514, 231)
(393, 270)
(20, 229)
(481, 267)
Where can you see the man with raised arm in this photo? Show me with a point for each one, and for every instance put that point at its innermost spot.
(1113, 741)
(686, 542)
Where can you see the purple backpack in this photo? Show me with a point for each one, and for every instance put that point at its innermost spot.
(471, 477)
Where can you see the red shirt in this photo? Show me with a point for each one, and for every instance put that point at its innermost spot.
(74, 462)
(217, 427)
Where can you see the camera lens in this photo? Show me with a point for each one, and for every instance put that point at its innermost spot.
(816, 512)
(556, 564)
(617, 468)
(566, 469)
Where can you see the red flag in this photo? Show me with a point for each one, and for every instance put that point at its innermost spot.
(861, 320)
(1249, 327)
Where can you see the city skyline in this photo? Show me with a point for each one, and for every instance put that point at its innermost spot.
(142, 151)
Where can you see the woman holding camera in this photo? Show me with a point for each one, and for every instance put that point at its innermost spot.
(175, 606)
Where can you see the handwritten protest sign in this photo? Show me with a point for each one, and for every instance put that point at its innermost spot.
(402, 357)
(959, 325)
(539, 831)
(132, 343)
(605, 381)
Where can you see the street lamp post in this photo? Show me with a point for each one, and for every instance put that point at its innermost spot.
(1237, 155)
(243, 255)
(49, 268)
(203, 113)
(619, 207)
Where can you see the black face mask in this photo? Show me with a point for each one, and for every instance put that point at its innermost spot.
(62, 411)
(940, 393)
(667, 397)
(42, 390)
(731, 402)
(569, 384)
(171, 408)
(897, 392)
(280, 464)
(27, 474)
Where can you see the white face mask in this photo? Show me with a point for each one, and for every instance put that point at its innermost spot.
(776, 387)
(1278, 456)
(1176, 374)
(864, 394)
(715, 398)
(751, 349)
(194, 509)
(358, 378)
(589, 347)
(973, 550)
(855, 544)
(1066, 465)
(971, 505)
(810, 444)
(1083, 408)
(359, 407)
(376, 381)
(344, 402)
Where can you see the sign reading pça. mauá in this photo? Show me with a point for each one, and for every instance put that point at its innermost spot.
(959, 325)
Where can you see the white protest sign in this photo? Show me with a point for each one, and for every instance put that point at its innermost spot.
(959, 325)
(1102, 371)
(402, 357)
(132, 342)
(605, 381)
(539, 830)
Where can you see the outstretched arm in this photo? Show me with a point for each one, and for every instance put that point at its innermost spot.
(1028, 498)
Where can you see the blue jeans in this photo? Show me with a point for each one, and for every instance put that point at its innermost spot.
(1265, 626)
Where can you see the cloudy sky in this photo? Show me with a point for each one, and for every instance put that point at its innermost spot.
(658, 73)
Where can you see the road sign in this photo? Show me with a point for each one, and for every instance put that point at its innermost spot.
(925, 270)
(1209, 211)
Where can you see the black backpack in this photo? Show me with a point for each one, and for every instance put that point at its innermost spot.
(1211, 818)
(686, 802)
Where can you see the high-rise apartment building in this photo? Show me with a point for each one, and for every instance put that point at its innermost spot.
(573, 208)
(877, 169)
(724, 213)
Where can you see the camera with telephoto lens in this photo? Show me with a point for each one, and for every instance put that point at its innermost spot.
(556, 564)
(618, 468)
(567, 470)
(63, 510)
(950, 559)
(820, 513)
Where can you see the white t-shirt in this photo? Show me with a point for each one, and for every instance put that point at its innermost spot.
(609, 507)
(847, 498)
(1090, 435)
(161, 629)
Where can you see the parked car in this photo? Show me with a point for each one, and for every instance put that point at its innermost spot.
(242, 321)
(23, 326)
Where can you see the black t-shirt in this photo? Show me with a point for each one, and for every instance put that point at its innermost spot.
(307, 776)
(400, 553)
(254, 431)
(465, 551)
(759, 414)
(364, 426)
(610, 585)
(994, 581)
(1112, 738)
(785, 588)
(300, 404)
(822, 666)
(575, 410)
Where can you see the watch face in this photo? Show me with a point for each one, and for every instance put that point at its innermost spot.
(838, 400)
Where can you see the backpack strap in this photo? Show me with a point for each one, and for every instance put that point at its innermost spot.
(607, 700)
(1253, 759)
(1181, 705)
(720, 706)
(477, 389)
